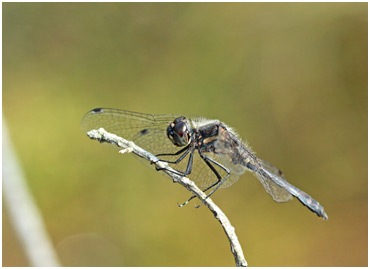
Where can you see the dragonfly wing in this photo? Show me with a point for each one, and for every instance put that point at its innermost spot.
(279, 194)
(146, 130)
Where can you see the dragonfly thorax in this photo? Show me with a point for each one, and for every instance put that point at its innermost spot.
(179, 132)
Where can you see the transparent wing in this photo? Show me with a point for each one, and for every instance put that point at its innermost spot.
(149, 132)
(278, 193)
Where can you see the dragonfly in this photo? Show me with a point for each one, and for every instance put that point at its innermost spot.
(208, 152)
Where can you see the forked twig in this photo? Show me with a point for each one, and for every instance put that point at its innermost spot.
(128, 146)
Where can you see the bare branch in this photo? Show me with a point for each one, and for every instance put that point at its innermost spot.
(128, 146)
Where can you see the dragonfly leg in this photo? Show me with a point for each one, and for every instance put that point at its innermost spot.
(173, 154)
(176, 172)
(189, 166)
(187, 149)
(218, 183)
(178, 160)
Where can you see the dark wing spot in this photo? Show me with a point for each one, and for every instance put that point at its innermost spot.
(97, 110)
(144, 131)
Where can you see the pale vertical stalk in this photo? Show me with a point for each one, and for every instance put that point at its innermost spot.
(23, 211)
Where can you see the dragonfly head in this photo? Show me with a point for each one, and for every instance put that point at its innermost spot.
(179, 132)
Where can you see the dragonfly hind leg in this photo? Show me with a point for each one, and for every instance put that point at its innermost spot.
(218, 183)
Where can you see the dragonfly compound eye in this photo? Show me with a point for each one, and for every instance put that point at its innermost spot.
(179, 132)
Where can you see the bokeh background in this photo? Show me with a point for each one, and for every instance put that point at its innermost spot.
(290, 77)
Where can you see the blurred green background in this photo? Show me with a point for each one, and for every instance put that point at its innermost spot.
(290, 77)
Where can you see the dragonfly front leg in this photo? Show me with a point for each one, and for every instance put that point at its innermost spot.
(186, 149)
(189, 166)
